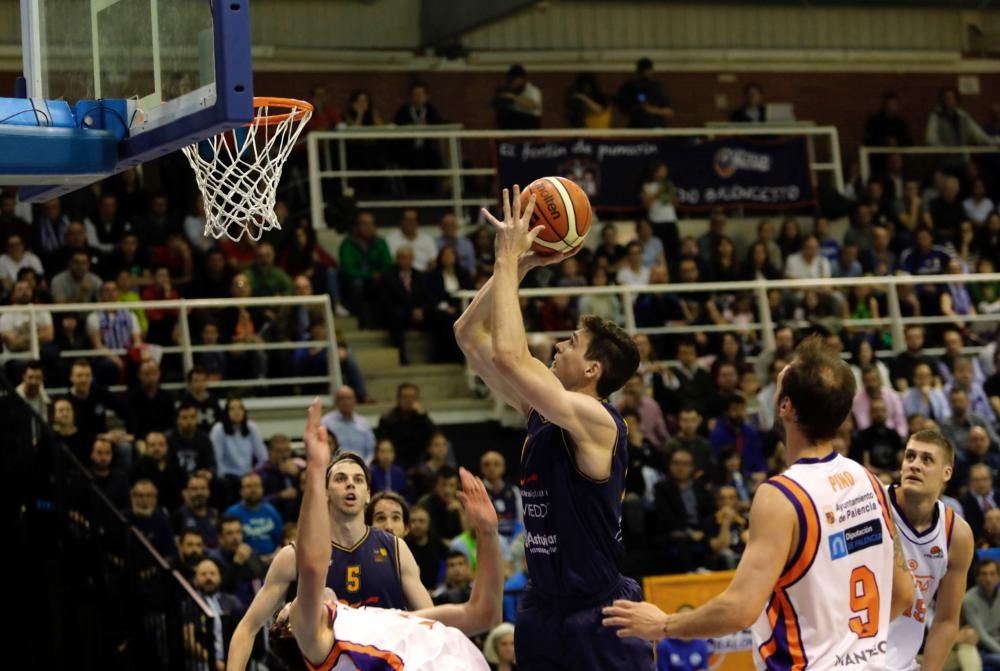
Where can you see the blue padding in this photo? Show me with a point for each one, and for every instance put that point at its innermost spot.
(27, 150)
(28, 112)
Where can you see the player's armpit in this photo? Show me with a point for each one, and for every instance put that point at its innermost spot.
(902, 582)
(270, 597)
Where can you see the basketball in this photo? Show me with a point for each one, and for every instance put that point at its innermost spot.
(563, 209)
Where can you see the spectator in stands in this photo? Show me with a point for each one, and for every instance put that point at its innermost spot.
(951, 126)
(956, 427)
(518, 102)
(146, 515)
(872, 388)
(325, 115)
(443, 505)
(353, 432)
(732, 430)
(313, 359)
(76, 284)
(149, 406)
(790, 238)
(981, 610)
(10, 223)
(109, 479)
(237, 443)
(428, 550)
(386, 475)
(977, 206)
(74, 241)
(847, 263)
(946, 210)
(194, 228)
(214, 280)
(226, 611)
(688, 438)
(364, 256)
(423, 476)
(977, 450)
(242, 568)
(49, 229)
(111, 331)
(418, 153)
(923, 398)
(15, 327)
(586, 104)
(964, 377)
(443, 283)
(980, 498)
(244, 326)
(607, 306)
(404, 299)
(753, 109)
(266, 278)
(727, 381)
(162, 466)
(683, 506)
(91, 401)
(505, 496)
(261, 522)
(633, 273)
(690, 382)
(64, 426)
(609, 254)
(758, 265)
(660, 198)
(643, 100)
(32, 389)
(499, 648)
(463, 247)
(190, 552)
(727, 529)
(195, 514)
(903, 365)
(188, 443)
(130, 257)
(14, 258)
(198, 394)
(708, 242)
(878, 445)
(279, 476)
(652, 248)
(807, 263)
(887, 127)
(956, 301)
(162, 323)
(457, 580)
(654, 428)
(158, 223)
(407, 425)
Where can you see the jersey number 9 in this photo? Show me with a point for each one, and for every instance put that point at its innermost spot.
(864, 602)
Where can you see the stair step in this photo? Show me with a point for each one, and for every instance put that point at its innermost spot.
(372, 359)
(436, 381)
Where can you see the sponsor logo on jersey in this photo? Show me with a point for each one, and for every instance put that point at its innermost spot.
(923, 582)
(855, 539)
(911, 564)
(859, 506)
(531, 478)
(862, 656)
(381, 554)
(841, 480)
(936, 552)
(831, 517)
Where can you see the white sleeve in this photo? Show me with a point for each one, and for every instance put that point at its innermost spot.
(93, 323)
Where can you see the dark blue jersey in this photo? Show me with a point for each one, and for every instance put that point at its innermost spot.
(573, 545)
(368, 573)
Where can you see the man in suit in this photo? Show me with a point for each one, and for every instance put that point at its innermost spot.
(980, 498)
(226, 611)
(404, 297)
(683, 508)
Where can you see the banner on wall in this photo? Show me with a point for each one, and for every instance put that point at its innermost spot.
(729, 172)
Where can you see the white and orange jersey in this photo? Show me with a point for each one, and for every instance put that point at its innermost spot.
(380, 639)
(926, 555)
(830, 607)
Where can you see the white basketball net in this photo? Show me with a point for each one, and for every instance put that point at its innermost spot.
(238, 170)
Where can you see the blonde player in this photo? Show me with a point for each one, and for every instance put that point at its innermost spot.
(938, 547)
(331, 636)
(821, 576)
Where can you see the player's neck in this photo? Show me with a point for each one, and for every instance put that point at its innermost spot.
(800, 447)
(918, 508)
(346, 531)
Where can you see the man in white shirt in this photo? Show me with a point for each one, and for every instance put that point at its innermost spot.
(518, 102)
(808, 263)
(408, 235)
(16, 257)
(352, 431)
(633, 273)
(76, 284)
(15, 327)
(32, 390)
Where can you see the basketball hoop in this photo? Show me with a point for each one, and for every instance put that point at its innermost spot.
(238, 170)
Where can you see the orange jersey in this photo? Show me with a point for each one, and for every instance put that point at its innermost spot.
(830, 607)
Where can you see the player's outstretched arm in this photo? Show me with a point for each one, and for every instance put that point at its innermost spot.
(312, 630)
(902, 582)
(265, 603)
(484, 608)
(948, 609)
(772, 525)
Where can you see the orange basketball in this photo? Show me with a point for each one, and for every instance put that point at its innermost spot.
(563, 208)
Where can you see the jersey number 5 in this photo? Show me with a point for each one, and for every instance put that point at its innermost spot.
(864, 602)
(353, 578)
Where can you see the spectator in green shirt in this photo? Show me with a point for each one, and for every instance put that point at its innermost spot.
(267, 279)
(364, 256)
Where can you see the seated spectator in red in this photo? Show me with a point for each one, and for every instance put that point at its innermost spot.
(190, 445)
(149, 406)
(195, 514)
(732, 430)
(198, 393)
(387, 476)
(242, 568)
(162, 323)
(109, 479)
(146, 515)
(280, 475)
(325, 116)
(176, 257)
(683, 506)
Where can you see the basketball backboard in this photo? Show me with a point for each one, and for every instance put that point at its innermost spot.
(183, 65)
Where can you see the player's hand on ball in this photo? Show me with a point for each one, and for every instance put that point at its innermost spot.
(317, 446)
(479, 510)
(514, 234)
(635, 619)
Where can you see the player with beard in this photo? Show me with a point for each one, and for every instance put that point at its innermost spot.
(367, 566)
(938, 546)
(823, 572)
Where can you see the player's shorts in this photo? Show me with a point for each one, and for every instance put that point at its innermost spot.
(558, 634)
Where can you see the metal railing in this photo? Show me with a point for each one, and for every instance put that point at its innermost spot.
(186, 347)
(764, 326)
(865, 153)
(322, 165)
